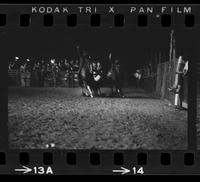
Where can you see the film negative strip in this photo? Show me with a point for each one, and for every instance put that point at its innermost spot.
(100, 89)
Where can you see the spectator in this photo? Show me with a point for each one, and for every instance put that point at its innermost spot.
(37, 73)
(76, 69)
(10, 66)
(67, 72)
(71, 74)
(27, 75)
(54, 74)
(138, 77)
(76, 66)
(41, 74)
(22, 71)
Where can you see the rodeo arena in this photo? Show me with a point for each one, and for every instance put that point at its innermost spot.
(86, 103)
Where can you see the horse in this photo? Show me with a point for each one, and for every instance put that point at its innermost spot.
(110, 75)
(85, 76)
(114, 78)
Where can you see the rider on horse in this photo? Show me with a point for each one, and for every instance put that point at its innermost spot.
(114, 76)
(97, 74)
(85, 76)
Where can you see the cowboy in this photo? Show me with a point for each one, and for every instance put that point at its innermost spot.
(138, 77)
(85, 75)
(93, 67)
(178, 87)
(97, 73)
(119, 80)
(179, 72)
(185, 69)
(99, 68)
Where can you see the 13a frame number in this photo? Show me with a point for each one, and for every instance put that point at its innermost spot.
(42, 170)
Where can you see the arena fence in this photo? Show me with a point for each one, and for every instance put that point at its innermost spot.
(162, 79)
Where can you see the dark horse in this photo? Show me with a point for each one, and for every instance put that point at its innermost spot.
(114, 78)
(85, 76)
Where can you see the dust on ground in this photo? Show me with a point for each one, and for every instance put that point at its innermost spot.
(39, 116)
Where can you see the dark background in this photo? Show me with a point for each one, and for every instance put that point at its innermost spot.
(134, 48)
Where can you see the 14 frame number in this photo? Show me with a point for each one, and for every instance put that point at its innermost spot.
(138, 171)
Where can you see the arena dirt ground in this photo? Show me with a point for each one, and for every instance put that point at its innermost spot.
(61, 116)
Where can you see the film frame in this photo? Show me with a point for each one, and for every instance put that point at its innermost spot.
(97, 161)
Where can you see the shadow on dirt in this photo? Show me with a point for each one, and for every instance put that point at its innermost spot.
(125, 96)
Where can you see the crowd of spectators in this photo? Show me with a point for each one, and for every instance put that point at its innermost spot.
(46, 72)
